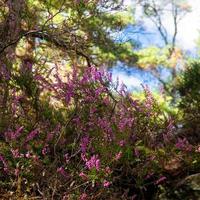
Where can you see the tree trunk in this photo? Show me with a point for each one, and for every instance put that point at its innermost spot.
(10, 30)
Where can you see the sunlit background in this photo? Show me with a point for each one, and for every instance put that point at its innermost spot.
(147, 35)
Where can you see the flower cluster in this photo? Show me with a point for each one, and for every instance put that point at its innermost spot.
(93, 162)
(183, 144)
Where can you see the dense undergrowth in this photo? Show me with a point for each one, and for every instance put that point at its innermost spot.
(81, 136)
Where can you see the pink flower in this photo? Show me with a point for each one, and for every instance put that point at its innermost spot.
(106, 183)
(83, 196)
(108, 170)
(106, 101)
(62, 171)
(198, 149)
(149, 175)
(35, 158)
(122, 143)
(16, 154)
(28, 155)
(17, 172)
(49, 137)
(66, 156)
(83, 157)
(183, 144)
(4, 163)
(136, 152)
(118, 156)
(94, 162)
(160, 180)
(83, 176)
(44, 151)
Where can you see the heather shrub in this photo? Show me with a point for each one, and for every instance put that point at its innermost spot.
(81, 136)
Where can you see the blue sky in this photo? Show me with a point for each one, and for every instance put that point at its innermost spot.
(188, 33)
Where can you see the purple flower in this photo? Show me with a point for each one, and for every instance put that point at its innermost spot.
(84, 143)
(125, 123)
(183, 144)
(32, 135)
(4, 72)
(149, 99)
(122, 143)
(94, 162)
(10, 135)
(45, 150)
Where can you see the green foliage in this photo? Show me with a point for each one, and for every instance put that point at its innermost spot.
(163, 102)
(152, 57)
(189, 88)
(80, 30)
